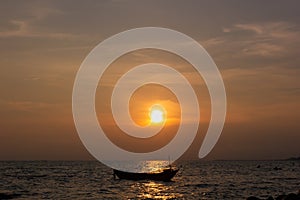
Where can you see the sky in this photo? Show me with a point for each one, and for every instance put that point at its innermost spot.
(255, 45)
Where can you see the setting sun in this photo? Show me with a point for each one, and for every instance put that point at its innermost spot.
(157, 114)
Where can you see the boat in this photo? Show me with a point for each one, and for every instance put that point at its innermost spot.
(163, 175)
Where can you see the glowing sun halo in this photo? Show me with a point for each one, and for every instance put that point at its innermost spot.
(157, 114)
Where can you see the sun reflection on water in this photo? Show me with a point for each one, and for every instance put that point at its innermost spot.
(153, 165)
(140, 166)
(156, 190)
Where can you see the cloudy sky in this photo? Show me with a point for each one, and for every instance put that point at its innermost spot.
(255, 44)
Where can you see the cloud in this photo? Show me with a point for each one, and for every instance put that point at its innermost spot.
(213, 42)
(262, 39)
(26, 29)
(249, 27)
(28, 24)
(269, 39)
(28, 106)
(264, 49)
(271, 30)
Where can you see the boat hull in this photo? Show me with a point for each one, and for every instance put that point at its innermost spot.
(165, 175)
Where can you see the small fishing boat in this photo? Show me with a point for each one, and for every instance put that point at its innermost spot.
(163, 175)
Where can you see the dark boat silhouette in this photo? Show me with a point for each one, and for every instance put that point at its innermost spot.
(164, 175)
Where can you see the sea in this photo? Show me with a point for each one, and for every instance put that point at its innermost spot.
(195, 180)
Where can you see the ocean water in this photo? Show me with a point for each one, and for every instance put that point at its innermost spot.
(196, 180)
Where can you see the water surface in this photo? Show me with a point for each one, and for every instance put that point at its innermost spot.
(196, 180)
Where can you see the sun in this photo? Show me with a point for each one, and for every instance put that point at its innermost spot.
(157, 114)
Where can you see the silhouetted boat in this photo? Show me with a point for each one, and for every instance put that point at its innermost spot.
(164, 175)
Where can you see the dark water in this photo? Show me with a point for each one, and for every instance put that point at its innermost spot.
(196, 180)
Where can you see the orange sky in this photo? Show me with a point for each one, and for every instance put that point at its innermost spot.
(255, 44)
